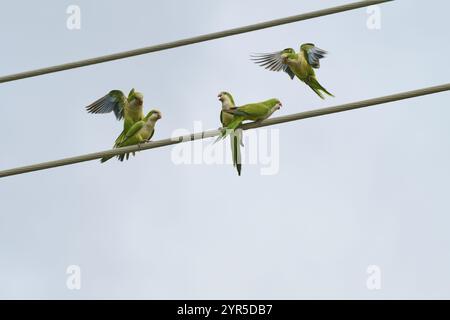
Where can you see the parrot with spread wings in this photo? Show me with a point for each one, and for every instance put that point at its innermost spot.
(296, 64)
(136, 128)
(130, 108)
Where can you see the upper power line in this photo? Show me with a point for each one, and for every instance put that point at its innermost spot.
(189, 41)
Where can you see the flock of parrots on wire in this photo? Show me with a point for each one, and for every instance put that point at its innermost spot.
(138, 128)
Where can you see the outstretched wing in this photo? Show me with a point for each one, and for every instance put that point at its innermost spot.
(273, 62)
(313, 54)
(114, 101)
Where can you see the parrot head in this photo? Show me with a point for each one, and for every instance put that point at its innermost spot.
(275, 103)
(154, 115)
(286, 53)
(226, 98)
(278, 104)
(139, 97)
(135, 97)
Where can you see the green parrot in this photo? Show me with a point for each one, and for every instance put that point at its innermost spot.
(130, 109)
(300, 64)
(140, 132)
(254, 111)
(235, 137)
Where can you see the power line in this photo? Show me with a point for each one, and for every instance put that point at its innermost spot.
(212, 133)
(189, 41)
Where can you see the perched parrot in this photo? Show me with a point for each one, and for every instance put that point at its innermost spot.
(300, 64)
(253, 111)
(235, 137)
(140, 132)
(130, 109)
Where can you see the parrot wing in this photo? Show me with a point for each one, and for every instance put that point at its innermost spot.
(237, 120)
(221, 118)
(151, 135)
(114, 101)
(313, 54)
(273, 62)
(250, 111)
(132, 131)
(119, 139)
(128, 139)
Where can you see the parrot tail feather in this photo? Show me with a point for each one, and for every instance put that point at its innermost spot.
(221, 136)
(103, 160)
(318, 88)
(120, 138)
(122, 157)
(236, 141)
(230, 128)
(239, 168)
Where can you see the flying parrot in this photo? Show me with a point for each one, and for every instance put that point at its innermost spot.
(235, 137)
(300, 64)
(140, 132)
(254, 111)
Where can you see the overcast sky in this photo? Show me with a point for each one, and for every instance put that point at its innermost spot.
(355, 189)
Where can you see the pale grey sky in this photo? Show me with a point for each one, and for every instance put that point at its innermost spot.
(366, 187)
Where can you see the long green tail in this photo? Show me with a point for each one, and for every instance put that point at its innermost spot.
(317, 87)
(236, 141)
